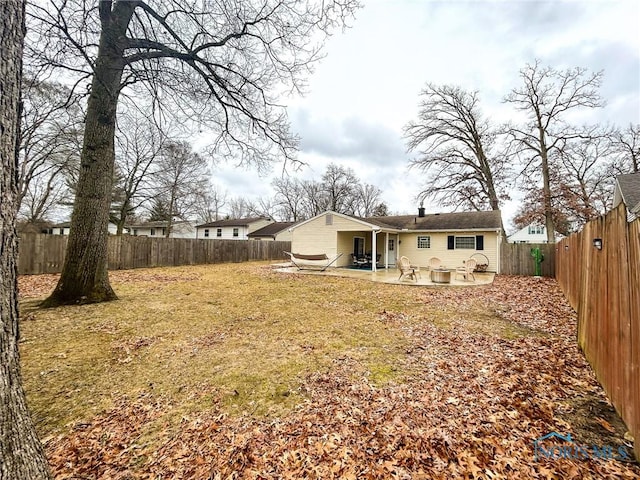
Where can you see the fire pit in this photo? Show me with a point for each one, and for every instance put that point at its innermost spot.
(441, 275)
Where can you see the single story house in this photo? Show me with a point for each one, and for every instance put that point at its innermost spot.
(452, 237)
(231, 229)
(65, 227)
(533, 233)
(274, 231)
(158, 229)
(627, 191)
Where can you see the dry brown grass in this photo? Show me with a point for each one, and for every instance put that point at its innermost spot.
(184, 377)
(237, 333)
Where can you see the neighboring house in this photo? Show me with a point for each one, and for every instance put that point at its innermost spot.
(274, 231)
(627, 191)
(233, 229)
(534, 233)
(179, 229)
(65, 227)
(452, 237)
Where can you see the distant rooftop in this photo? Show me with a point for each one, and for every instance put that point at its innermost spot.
(271, 230)
(233, 222)
(630, 189)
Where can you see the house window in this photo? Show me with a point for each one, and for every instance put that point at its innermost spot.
(163, 231)
(62, 231)
(328, 220)
(465, 243)
(135, 232)
(424, 241)
(206, 233)
(235, 232)
(153, 232)
(392, 244)
(536, 230)
(219, 232)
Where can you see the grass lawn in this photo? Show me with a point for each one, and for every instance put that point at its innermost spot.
(211, 371)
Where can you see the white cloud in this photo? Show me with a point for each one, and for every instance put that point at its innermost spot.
(367, 87)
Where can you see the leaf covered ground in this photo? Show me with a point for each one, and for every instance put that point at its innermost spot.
(241, 372)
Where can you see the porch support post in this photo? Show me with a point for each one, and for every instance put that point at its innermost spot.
(386, 251)
(374, 235)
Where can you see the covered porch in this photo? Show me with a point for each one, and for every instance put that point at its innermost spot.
(369, 250)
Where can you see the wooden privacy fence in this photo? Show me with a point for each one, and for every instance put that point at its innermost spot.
(603, 286)
(516, 259)
(39, 253)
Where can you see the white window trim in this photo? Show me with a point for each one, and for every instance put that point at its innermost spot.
(455, 242)
(428, 237)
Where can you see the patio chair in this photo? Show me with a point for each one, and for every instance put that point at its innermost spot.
(357, 261)
(407, 270)
(434, 262)
(467, 269)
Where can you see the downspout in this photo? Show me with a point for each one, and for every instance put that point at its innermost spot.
(498, 243)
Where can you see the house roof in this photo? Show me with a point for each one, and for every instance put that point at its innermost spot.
(62, 225)
(233, 222)
(271, 230)
(630, 190)
(157, 224)
(490, 220)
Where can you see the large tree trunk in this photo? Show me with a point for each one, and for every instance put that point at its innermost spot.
(546, 192)
(84, 277)
(21, 454)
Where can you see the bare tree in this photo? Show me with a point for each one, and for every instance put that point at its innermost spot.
(139, 142)
(289, 198)
(627, 143)
(381, 210)
(50, 141)
(209, 203)
(456, 148)
(21, 454)
(368, 200)
(240, 207)
(315, 198)
(546, 97)
(180, 180)
(263, 207)
(222, 63)
(587, 169)
(339, 190)
(340, 185)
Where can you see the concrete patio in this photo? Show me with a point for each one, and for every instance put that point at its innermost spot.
(391, 276)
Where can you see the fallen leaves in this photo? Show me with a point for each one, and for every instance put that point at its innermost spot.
(471, 407)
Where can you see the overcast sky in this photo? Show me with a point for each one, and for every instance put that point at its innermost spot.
(367, 87)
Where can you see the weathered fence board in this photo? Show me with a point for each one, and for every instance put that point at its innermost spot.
(516, 259)
(39, 253)
(603, 286)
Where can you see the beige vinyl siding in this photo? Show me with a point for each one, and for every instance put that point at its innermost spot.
(257, 225)
(284, 236)
(450, 258)
(316, 236)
